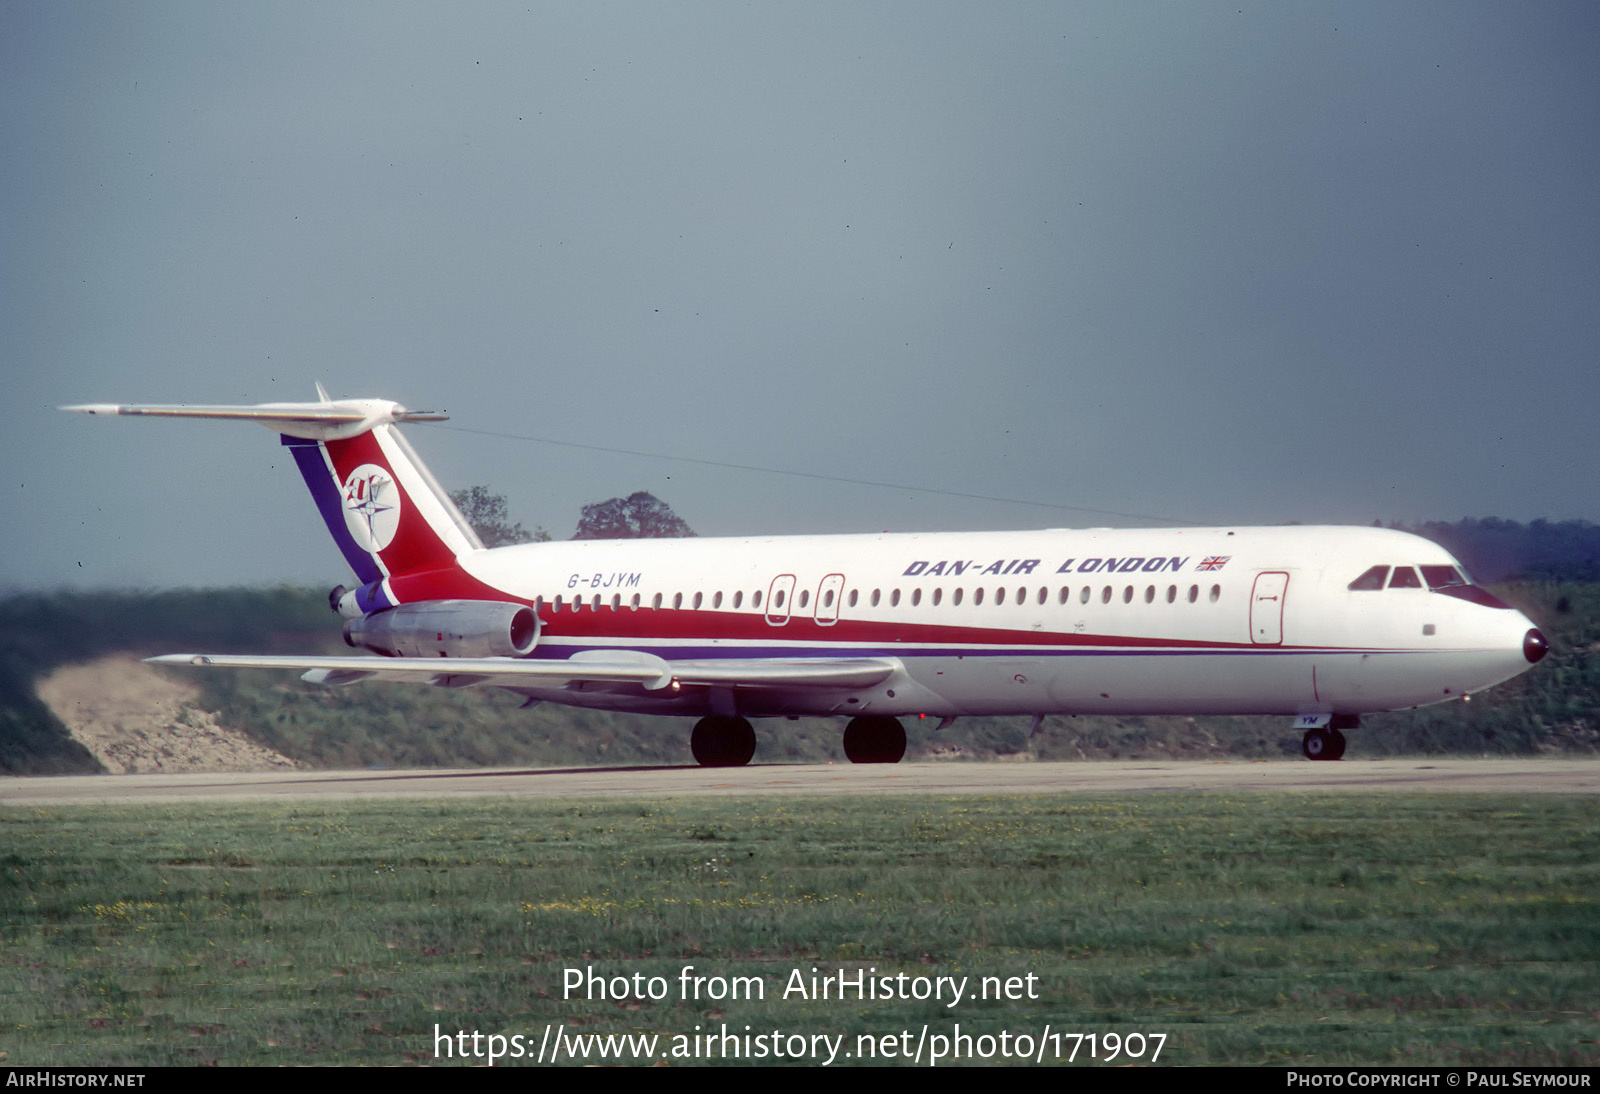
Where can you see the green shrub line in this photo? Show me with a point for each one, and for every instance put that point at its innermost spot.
(1555, 708)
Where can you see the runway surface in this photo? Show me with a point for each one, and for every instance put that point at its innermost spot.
(1494, 776)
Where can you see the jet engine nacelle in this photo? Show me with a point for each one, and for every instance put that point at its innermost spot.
(447, 628)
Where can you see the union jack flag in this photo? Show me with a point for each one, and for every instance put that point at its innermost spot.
(1213, 562)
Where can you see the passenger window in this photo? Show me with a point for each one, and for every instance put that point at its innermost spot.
(616, 602)
(1127, 594)
(1216, 593)
(558, 605)
(738, 598)
(1000, 597)
(1083, 597)
(955, 597)
(916, 597)
(854, 595)
(1022, 596)
(977, 596)
(1149, 594)
(1194, 593)
(716, 599)
(777, 600)
(894, 598)
(697, 597)
(1371, 580)
(938, 595)
(1172, 593)
(1105, 595)
(1066, 594)
(874, 598)
(827, 599)
(755, 600)
(1044, 594)
(805, 597)
(635, 603)
(677, 601)
(1404, 578)
(654, 603)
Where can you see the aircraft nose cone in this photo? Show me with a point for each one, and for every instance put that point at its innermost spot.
(1534, 646)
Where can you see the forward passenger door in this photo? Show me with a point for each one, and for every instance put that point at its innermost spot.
(1266, 608)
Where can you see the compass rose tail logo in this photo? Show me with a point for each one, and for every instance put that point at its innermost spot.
(384, 509)
(372, 507)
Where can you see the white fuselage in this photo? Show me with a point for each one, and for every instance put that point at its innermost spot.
(1142, 621)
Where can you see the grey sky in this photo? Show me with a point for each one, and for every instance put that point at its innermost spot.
(1243, 262)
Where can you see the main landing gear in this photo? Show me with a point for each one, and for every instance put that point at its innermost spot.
(719, 741)
(1328, 744)
(874, 739)
(722, 742)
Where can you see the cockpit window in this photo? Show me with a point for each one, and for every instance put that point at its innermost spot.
(1372, 579)
(1438, 577)
(1404, 578)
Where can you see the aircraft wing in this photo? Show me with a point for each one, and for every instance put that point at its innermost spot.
(595, 666)
(826, 672)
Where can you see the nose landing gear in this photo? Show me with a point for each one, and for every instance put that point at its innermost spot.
(1323, 744)
(1328, 744)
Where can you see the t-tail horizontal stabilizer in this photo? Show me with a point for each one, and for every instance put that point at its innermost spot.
(326, 420)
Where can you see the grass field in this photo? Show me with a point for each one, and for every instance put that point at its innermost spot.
(1315, 930)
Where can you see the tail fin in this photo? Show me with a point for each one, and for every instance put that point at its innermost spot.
(387, 513)
(384, 509)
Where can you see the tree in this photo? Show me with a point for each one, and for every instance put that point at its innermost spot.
(638, 516)
(487, 513)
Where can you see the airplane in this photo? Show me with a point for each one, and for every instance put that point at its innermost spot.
(1319, 624)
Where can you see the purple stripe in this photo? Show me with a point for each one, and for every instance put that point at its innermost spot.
(314, 469)
(555, 649)
(371, 597)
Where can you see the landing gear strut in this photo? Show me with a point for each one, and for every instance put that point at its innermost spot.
(874, 740)
(722, 742)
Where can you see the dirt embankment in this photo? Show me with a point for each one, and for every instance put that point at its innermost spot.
(134, 719)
